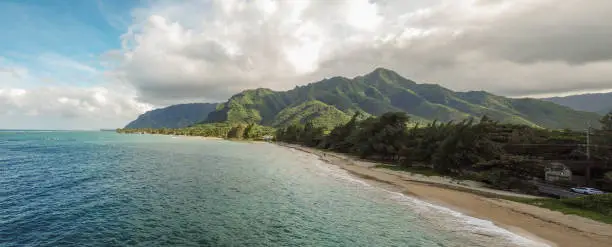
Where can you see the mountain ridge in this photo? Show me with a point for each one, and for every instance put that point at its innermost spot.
(174, 116)
(384, 90)
(594, 102)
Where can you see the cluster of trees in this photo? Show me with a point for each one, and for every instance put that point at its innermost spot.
(603, 139)
(503, 154)
(221, 130)
(249, 132)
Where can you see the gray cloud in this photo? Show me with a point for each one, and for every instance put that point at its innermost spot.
(572, 31)
(207, 50)
(69, 103)
(513, 48)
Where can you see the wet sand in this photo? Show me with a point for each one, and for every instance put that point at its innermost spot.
(540, 224)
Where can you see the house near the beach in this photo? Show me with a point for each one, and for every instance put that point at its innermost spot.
(557, 172)
(268, 138)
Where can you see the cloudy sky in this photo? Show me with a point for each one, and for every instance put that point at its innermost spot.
(98, 64)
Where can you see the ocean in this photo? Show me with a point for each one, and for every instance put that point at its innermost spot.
(60, 188)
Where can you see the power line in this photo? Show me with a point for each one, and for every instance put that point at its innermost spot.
(556, 145)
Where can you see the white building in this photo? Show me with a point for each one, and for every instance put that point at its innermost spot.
(557, 171)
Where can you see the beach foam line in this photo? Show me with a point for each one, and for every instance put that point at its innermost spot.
(339, 173)
(468, 223)
(453, 220)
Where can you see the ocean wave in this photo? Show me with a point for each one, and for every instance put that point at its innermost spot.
(339, 173)
(452, 219)
(164, 191)
(443, 217)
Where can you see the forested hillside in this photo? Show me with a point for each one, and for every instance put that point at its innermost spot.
(595, 102)
(333, 100)
(175, 116)
(505, 155)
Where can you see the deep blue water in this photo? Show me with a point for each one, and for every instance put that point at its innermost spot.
(106, 189)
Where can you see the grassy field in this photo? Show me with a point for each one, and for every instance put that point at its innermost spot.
(596, 207)
(425, 171)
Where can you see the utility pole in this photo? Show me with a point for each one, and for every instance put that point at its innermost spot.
(588, 152)
(588, 139)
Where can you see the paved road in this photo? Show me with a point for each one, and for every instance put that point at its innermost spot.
(557, 191)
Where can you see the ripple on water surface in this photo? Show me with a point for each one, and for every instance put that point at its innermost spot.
(105, 189)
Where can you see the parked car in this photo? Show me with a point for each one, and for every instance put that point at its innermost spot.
(587, 190)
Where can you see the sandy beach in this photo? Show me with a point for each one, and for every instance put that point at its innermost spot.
(198, 137)
(543, 225)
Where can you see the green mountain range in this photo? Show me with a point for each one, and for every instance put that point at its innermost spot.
(332, 101)
(175, 116)
(594, 102)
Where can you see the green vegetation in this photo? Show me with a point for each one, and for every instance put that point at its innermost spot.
(502, 155)
(425, 171)
(603, 137)
(505, 156)
(176, 116)
(330, 102)
(593, 102)
(316, 112)
(596, 207)
(384, 91)
(220, 130)
(251, 106)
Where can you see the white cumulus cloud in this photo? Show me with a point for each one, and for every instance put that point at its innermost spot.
(27, 101)
(208, 50)
(95, 107)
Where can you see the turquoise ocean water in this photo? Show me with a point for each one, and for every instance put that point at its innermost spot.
(106, 189)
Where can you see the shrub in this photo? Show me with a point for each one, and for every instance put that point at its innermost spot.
(598, 203)
(564, 183)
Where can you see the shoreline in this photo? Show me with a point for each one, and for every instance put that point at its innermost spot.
(537, 224)
(192, 137)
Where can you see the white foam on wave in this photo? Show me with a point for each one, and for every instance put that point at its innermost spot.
(338, 173)
(443, 217)
(434, 214)
(464, 222)
(327, 169)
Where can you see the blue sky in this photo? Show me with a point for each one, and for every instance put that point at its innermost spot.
(77, 28)
(50, 62)
(62, 63)
(60, 40)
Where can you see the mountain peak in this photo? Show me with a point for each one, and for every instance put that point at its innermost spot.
(382, 74)
(387, 76)
(384, 90)
(258, 92)
(383, 71)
